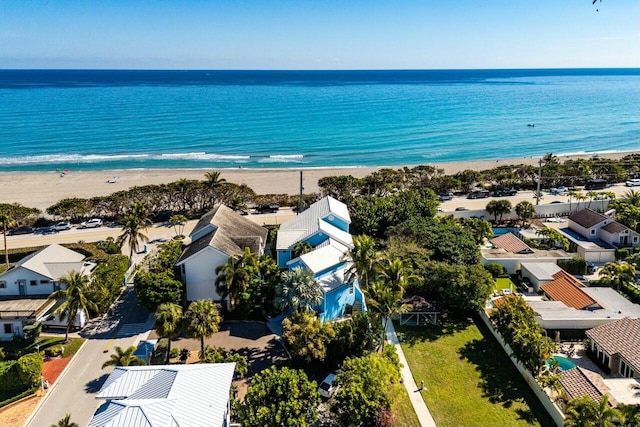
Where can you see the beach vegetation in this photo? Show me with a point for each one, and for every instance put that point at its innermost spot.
(73, 299)
(74, 209)
(277, 397)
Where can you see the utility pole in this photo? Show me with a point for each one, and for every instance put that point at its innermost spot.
(539, 179)
(300, 199)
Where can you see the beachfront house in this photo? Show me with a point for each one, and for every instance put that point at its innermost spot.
(595, 236)
(324, 230)
(25, 286)
(166, 395)
(220, 234)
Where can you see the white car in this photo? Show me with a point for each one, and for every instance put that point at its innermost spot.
(633, 182)
(61, 226)
(555, 219)
(92, 223)
(559, 191)
(327, 387)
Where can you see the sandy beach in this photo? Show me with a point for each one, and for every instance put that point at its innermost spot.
(42, 189)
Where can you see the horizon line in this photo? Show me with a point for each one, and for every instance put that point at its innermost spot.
(319, 69)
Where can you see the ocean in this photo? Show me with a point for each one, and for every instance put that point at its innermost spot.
(105, 119)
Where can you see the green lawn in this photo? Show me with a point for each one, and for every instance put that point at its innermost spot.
(504, 283)
(402, 407)
(469, 379)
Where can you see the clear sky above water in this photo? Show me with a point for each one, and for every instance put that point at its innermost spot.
(329, 34)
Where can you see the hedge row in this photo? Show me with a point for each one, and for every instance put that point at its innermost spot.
(19, 396)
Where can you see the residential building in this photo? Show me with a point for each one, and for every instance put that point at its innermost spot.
(510, 252)
(538, 273)
(616, 347)
(324, 228)
(166, 395)
(220, 234)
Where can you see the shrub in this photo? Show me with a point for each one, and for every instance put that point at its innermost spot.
(622, 253)
(184, 355)
(8, 376)
(29, 369)
(174, 353)
(32, 332)
(54, 351)
(575, 265)
(3, 355)
(220, 355)
(495, 269)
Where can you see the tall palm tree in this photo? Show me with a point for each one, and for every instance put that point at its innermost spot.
(300, 248)
(213, 182)
(549, 158)
(236, 275)
(618, 274)
(202, 320)
(135, 221)
(124, 358)
(394, 274)
(632, 197)
(74, 299)
(178, 222)
(169, 319)
(525, 211)
(6, 221)
(364, 258)
(65, 422)
(580, 197)
(385, 300)
(298, 290)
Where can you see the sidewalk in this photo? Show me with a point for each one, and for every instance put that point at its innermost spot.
(415, 395)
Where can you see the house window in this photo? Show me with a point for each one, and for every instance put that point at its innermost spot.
(593, 232)
(8, 328)
(625, 370)
(351, 289)
(635, 239)
(33, 282)
(44, 282)
(3, 284)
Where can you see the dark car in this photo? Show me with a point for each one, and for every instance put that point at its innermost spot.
(461, 208)
(503, 192)
(479, 194)
(266, 208)
(591, 268)
(21, 230)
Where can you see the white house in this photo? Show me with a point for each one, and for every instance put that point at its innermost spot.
(166, 395)
(510, 252)
(325, 228)
(24, 287)
(220, 234)
(596, 236)
(39, 274)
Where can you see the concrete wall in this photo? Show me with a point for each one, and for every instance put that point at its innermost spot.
(543, 397)
(12, 276)
(542, 211)
(17, 328)
(200, 274)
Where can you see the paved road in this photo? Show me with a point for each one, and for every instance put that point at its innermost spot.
(75, 391)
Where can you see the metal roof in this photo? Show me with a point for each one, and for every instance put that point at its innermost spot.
(165, 395)
(325, 257)
(541, 270)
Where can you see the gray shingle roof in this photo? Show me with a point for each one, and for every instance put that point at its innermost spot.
(587, 218)
(577, 384)
(53, 262)
(619, 337)
(230, 233)
(614, 227)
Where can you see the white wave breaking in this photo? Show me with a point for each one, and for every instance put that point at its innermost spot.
(100, 158)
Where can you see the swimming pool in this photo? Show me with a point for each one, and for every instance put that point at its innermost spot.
(499, 231)
(563, 363)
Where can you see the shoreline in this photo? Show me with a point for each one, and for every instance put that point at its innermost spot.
(43, 189)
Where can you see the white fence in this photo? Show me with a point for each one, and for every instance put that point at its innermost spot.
(542, 211)
(553, 410)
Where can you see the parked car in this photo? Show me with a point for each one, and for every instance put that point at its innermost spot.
(503, 192)
(445, 196)
(591, 268)
(61, 226)
(47, 230)
(596, 184)
(92, 223)
(555, 202)
(633, 182)
(559, 191)
(21, 230)
(266, 208)
(461, 208)
(327, 387)
(478, 194)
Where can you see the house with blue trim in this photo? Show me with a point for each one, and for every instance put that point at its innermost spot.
(325, 227)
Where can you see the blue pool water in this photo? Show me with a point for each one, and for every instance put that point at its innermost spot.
(504, 230)
(563, 363)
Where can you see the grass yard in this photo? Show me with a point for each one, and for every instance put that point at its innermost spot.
(402, 407)
(46, 342)
(504, 283)
(470, 381)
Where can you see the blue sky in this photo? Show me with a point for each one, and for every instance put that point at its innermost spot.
(319, 34)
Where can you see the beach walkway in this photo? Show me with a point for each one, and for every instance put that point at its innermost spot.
(415, 393)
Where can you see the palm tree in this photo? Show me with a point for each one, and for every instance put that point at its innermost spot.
(236, 275)
(364, 258)
(178, 221)
(394, 275)
(213, 182)
(300, 248)
(618, 274)
(498, 208)
(124, 358)
(202, 320)
(6, 221)
(385, 300)
(549, 158)
(632, 197)
(134, 222)
(65, 422)
(580, 198)
(298, 290)
(74, 299)
(525, 211)
(169, 319)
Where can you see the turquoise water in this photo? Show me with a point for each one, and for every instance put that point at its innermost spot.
(504, 230)
(94, 120)
(563, 363)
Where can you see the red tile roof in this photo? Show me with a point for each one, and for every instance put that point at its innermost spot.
(577, 384)
(587, 218)
(619, 337)
(510, 243)
(566, 288)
